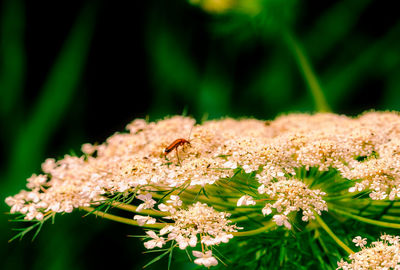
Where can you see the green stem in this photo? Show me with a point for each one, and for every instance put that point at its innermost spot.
(243, 182)
(132, 208)
(190, 195)
(368, 201)
(256, 231)
(356, 212)
(234, 195)
(245, 218)
(332, 234)
(220, 201)
(121, 219)
(308, 73)
(337, 198)
(366, 207)
(367, 220)
(390, 218)
(188, 198)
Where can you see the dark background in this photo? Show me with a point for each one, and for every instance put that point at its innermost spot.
(73, 72)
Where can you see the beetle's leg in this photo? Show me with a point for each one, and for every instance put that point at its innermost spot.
(165, 156)
(177, 156)
(184, 145)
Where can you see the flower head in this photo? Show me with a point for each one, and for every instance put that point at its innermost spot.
(282, 220)
(148, 202)
(291, 196)
(384, 254)
(205, 259)
(155, 242)
(246, 200)
(142, 220)
(202, 222)
(360, 242)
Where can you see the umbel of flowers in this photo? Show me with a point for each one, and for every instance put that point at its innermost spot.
(384, 254)
(236, 178)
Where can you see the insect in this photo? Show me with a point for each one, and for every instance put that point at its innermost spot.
(175, 144)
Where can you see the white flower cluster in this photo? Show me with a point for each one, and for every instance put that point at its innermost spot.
(198, 223)
(381, 255)
(364, 149)
(290, 196)
(63, 191)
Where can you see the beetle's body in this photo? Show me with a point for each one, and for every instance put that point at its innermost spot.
(175, 144)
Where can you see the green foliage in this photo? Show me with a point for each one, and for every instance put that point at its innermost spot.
(278, 250)
(26, 229)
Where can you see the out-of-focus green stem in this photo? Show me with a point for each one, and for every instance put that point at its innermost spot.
(308, 73)
(332, 234)
(53, 100)
(12, 58)
(367, 220)
(121, 219)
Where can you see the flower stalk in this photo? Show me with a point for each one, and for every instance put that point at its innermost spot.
(308, 73)
(367, 220)
(340, 243)
(119, 219)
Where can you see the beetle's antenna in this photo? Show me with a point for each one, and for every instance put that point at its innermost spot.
(190, 133)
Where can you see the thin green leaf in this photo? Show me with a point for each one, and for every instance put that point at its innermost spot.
(155, 250)
(170, 255)
(156, 259)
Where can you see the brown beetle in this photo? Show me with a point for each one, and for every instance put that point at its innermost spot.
(175, 144)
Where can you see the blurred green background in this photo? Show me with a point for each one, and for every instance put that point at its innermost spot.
(73, 72)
